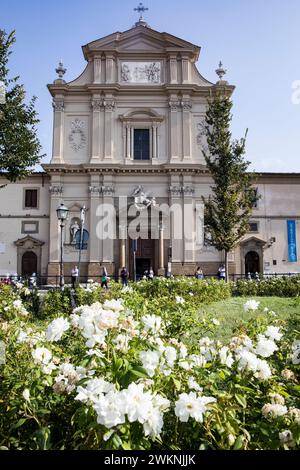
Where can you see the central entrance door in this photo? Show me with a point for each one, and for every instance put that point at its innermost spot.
(145, 257)
(252, 264)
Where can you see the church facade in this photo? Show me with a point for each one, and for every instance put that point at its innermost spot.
(128, 141)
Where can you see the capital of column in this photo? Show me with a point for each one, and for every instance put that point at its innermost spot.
(175, 190)
(186, 105)
(109, 104)
(174, 104)
(108, 190)
(188, 190)
(58, 105)
(94, 190)
(97, 104)
(56, 190)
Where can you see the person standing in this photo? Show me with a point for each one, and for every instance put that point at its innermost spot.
(74, 276)
(199, 273)
(151, 274)
(104, 278)
(124, 277)
(221, 273)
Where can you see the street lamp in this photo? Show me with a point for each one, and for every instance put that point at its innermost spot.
(62, 214)
(82, 220)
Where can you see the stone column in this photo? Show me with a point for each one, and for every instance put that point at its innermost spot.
(95, 247)
(56, 193)
(161, 266)
(131, 142)
(185, 70)
(109, 106)
(186, 128)
(173, 129)
(154, 141)
(97, 69)
(58, 130)
(189, 226)
(173, 69)
(123, 237)
(128, 153)
(176, 223)
(110, 69)
(108, 244)
(124, 141)
(96, 106)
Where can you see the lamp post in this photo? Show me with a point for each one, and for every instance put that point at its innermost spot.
(82, 220)
(134, 249)
(62, 214)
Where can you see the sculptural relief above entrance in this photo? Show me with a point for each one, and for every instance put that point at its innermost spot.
(141, 72)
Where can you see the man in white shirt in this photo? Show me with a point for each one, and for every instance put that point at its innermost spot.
(74, 274)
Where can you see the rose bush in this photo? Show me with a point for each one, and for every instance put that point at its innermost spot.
(129, 373)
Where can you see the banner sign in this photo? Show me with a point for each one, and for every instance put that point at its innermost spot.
(84, 241)
(292, 243)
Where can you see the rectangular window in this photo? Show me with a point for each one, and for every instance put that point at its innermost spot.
(141, 144)
(255, 200)
(30, 227)
(31, 198)
(253, 227)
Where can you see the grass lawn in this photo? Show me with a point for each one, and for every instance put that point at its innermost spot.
(231, 313)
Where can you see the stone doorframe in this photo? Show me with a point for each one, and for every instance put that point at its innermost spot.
(252, 244)
(29, 243)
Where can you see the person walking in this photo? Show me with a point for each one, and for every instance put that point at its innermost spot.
(124, 277)
(221, 272)
(151, 274)
(104, 278)
(74, 276)
(199, 273)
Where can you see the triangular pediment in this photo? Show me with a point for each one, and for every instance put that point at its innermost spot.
(140, 45)
(139, 39)
(255, 240)
(29, 240)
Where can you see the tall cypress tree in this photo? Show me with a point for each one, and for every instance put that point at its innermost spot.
(228, 209)
(19, 145)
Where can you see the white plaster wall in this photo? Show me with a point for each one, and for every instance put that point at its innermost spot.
(12, 214)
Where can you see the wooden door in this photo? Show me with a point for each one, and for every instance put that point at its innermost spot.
(29, 263)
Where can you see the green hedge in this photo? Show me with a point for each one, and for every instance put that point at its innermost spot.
(203, 291)
(277, 286)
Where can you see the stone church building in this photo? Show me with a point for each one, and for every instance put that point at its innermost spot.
(128, 132)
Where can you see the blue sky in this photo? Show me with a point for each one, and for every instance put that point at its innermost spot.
(257, 40)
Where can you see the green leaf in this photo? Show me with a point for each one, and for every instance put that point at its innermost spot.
(241, 400)
(126, 446)
(138, 371)
(238, 443)
(19, 423)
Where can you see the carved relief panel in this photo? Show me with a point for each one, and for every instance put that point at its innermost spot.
(141, 73)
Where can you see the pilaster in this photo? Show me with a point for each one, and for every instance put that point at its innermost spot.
(96, 129)
(109, 107)
(58, 130)
(174, 105)
(186, 105)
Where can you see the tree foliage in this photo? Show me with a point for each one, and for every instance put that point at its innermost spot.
(19, 145)
(228, 209)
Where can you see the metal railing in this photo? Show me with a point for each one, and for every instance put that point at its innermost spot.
(50, 282)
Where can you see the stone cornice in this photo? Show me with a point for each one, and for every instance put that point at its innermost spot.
(117, 89)
(121, 169)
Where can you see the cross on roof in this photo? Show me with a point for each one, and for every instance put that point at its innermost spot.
(140, 9)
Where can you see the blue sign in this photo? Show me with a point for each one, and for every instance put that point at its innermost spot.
(134, 245)
(85, 237)
(292, 243)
